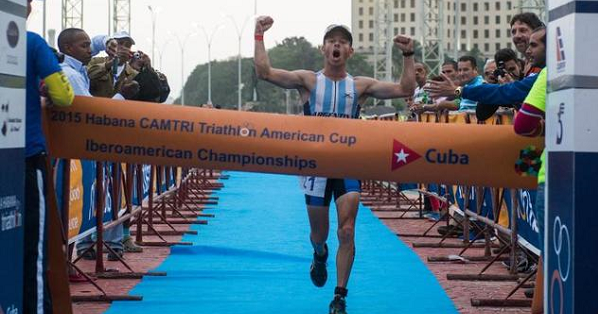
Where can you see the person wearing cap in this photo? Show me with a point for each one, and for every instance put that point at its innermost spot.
(332, 92)
(108, 75)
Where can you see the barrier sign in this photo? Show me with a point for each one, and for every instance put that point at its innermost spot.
(137, 132)
(13, 43)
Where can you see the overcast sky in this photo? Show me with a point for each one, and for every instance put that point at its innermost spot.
(306, 18)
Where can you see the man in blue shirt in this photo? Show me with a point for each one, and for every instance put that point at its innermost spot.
(468, 73)
(78, 49)
(495, 94)
(42, 64)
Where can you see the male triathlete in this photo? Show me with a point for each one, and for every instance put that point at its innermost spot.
(332, 92)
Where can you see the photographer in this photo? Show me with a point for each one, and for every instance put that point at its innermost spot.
(108, 75)
(489, 69)
(508, 70)
(495, 94)
(508, 66)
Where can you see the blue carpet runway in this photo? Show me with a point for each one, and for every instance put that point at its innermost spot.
(254, 257)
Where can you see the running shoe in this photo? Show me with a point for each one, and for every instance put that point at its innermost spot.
(318, 272)
(338, 305)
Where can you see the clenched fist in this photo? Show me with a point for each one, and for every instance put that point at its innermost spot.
(262, 24)
(404, 43)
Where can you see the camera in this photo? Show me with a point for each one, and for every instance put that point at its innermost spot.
(137, 55)
(500, 70)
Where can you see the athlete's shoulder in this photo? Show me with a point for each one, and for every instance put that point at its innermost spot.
(308, 77)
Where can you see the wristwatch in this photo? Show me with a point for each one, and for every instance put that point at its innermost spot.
(458, 91)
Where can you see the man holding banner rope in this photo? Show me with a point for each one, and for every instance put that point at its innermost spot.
(332, 92)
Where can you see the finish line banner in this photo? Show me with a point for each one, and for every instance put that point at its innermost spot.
(139, 132)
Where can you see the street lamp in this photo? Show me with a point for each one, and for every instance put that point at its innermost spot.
(209, 42)
(154, 12)
(240, 36)
(182, 44)
(161, 51)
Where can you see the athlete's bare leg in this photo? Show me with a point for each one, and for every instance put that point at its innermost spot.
(320, 226)
(347, 206)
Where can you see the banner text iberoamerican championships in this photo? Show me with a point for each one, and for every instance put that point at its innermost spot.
(201, 128)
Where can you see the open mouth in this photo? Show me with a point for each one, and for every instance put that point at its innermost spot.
(336, 54)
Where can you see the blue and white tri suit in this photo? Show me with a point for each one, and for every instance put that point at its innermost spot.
(338, 99)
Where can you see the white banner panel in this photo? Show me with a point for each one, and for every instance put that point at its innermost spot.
(13, 45)
(12, 118)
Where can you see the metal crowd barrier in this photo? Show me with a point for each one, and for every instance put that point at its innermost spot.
(462, 204)
(151, 204)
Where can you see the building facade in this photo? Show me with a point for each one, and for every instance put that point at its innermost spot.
(482, 24)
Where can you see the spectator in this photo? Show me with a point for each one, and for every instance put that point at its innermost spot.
(77, 48)
(109, 74)
(75, 44)
(490, 96)
(530, 122)
(420, 96)
(489, 69)
(508, 66)
(153, 86)
(468, 75)
(450, 68)
(42, 64)
(522, 26)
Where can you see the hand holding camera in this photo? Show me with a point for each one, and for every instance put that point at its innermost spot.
(502, 75)
(140, 60)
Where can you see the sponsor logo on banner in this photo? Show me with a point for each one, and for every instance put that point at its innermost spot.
(561, 244)
(525, 211)
(12, 34)
(9, 124)
(76, 198)
(559, 133)
(402, 155)
(10, 310)
(561, 62)
(10, 212)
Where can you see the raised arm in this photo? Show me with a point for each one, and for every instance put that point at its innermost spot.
(279, 77)
(406, 84)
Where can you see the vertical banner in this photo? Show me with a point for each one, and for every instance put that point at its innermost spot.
(572, 146)
(82, 214)
(527, 222)
(13, 44)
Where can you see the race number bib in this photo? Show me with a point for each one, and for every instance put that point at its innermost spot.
(313, 186)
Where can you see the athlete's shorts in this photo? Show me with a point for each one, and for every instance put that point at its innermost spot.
(333, 187)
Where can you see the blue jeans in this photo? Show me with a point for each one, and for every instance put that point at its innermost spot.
(113, 237)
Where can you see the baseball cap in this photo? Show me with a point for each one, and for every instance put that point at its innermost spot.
(123, 35)
(342, 28)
